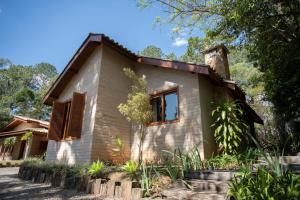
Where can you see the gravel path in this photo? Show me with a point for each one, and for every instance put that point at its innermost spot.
(13, 188)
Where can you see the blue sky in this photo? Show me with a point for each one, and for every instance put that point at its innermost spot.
(34, 31)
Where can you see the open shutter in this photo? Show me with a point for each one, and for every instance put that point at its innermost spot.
(76, 115)
(57, 120)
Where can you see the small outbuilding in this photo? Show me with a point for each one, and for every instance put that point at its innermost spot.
(34, 145)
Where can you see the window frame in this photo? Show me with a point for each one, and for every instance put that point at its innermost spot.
(162, 95)
(66, 120)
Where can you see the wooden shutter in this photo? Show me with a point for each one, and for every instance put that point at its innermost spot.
(57, 121)
(76, 115)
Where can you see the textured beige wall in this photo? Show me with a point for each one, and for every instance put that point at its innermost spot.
(36, 144)
(85, 81)
(207, 91)
(185, 134)
(16, 149)
(113, 89)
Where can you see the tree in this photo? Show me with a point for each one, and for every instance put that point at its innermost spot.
(194, 50)
(8, 144)
(152, 51)
(171, 56)
(137, 109)
(22, 89)
(269, 30)
(250, 79)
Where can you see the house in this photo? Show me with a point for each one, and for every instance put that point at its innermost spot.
(85, 118)
(36, 145)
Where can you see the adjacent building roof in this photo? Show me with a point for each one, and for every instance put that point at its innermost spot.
(35, 131)
(16, 120)
(93, 40)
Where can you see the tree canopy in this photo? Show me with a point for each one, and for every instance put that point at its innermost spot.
(269, 30)
(22, 89)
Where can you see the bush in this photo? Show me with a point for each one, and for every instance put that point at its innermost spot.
(95, 168)
(264, 184)
(229, 127)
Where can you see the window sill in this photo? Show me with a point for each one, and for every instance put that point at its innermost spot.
(162, 123)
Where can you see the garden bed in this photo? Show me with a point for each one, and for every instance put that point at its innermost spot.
(64, 178)
(10, 163)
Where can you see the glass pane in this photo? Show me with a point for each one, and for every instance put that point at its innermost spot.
(171, 106)
(157, 109)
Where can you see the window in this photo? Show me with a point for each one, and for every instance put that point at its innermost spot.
(165, 106)
(67, 118)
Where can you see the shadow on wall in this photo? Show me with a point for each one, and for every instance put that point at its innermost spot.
(185, 134)
(85, 81)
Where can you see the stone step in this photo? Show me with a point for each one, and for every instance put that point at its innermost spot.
(208, 185)
(182, 194)
(211, 175)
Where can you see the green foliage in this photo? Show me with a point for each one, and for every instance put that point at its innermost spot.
(73, 170)
(185, 161)
(269, 30)
(271, 181)
(22, 89)
(250, 79)
(26, 136)
(147, 177)
(137, 109)
(9, 142)
(229, 127)
(130, 166)
(171, 56)
(194, 50)
(152, 51)
(119, 150)
(95, 168)
(264, 184)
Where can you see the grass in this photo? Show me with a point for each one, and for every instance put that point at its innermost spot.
(10, 163)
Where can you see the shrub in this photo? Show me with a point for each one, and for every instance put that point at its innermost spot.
(26, 136)
(186, 161)
(95, 168)
(229, 127)
(264, 184)
(130, 167)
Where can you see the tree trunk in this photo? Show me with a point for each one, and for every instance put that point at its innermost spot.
(4, 151)
(142, 137)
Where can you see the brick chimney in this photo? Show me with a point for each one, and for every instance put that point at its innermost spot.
(216, 58)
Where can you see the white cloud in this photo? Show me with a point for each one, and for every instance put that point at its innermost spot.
(180, 41)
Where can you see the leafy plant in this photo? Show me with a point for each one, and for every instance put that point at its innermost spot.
(271, 181)
(187, 161)
(229, 127)
(95, 168)
(8, 144)
(137, 109)
(26, 136)
(119, 150)
(130, 167)
(173, 171)
(264, 184)
(146, 178)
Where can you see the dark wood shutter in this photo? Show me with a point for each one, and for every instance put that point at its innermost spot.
(57, 121)
(76, 115)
